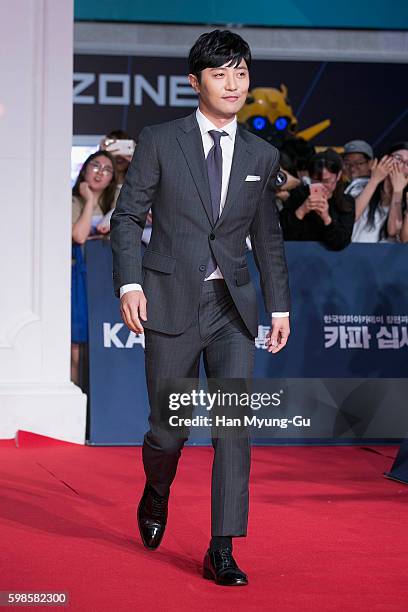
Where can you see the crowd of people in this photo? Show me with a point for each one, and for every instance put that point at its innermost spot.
(327, 197)
(337, 199)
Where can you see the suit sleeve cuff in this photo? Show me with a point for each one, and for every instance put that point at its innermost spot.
(131, 287)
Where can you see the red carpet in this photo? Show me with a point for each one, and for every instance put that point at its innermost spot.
(327, 531)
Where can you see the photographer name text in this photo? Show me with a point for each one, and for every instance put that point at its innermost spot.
(246, 421)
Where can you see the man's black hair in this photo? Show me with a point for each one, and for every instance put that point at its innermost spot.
(214, 49)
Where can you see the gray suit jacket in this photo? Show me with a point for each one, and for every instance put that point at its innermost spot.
(168, 173)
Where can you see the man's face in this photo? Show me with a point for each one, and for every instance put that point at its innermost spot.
(356, 165)
(223, 90)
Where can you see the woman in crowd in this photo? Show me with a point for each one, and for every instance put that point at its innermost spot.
(92, 197)
(381, 205)
(401, 159)
(325, 215)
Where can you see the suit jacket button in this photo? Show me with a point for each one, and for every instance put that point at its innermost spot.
(212, 236)
(202, 268)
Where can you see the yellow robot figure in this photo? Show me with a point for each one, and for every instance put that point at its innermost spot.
(267, 112)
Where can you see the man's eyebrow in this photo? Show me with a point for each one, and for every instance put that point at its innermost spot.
(234, 67)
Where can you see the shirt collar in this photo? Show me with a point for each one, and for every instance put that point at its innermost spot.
(205, 125)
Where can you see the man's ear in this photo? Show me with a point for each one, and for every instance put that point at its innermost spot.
(194, 83)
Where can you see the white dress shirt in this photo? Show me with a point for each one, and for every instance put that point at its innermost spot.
(227, 145)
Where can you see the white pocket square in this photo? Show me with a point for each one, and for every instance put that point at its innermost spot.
(253, 177)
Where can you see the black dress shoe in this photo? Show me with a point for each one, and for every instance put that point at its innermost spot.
(220, 566)
(152, 517)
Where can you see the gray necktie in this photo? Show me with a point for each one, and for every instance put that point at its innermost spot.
(214, 170)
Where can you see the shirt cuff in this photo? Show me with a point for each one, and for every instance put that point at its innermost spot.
(277, 315)
(131, 287)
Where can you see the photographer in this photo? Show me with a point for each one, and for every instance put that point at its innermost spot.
(320, 212)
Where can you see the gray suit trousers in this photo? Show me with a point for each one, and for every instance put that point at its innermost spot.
(219, 334)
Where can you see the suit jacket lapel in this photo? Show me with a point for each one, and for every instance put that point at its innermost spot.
(189, 138)
(239, 167)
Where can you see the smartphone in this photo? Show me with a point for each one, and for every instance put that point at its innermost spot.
(316, 191)
(120, 147)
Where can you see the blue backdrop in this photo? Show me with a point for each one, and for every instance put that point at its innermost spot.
(349, 321)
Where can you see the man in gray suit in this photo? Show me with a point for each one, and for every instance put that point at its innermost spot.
(209, 184)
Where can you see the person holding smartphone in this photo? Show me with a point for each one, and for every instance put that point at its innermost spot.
(320, 211)
(122, 147)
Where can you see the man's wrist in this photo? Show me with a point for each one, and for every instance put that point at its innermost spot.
(130, 287)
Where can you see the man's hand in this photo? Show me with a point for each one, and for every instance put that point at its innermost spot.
(277, 338)
(133, 307)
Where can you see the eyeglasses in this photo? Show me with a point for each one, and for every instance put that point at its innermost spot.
(357, 164)
(105, 170)
(400, 160)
